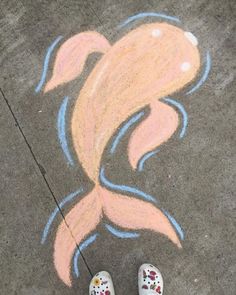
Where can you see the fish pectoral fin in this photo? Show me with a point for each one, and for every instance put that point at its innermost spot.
(156, 129)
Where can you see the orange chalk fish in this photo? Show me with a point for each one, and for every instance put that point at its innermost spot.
(150, 62)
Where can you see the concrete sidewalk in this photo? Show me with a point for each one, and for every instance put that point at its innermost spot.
(192, 178)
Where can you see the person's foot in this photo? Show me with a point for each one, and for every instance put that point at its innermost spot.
(101, 284)
(150, 281)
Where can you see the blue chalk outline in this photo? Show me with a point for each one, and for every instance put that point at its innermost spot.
(183, 112)
(82, 247)
(121, 234)
(124, 129)
(175, 224)
(61, 130)
(67, 199)
(147, 14)
(46, 63)
(145, 157)
(125, 188)
(204, 75)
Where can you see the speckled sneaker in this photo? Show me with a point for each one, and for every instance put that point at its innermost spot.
(150, 281)
(101, 284)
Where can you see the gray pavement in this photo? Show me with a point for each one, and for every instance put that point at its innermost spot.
(193, 179)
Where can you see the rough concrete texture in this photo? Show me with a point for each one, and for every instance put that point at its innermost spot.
(192, 178)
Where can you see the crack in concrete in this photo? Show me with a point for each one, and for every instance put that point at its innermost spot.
(43, 173)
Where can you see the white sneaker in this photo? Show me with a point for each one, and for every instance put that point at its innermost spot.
(101, 284)
(150, 281)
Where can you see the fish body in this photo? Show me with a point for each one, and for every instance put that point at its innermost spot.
(140, 68)
(150, 62)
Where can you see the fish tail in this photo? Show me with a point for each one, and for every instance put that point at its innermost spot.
(127, 212)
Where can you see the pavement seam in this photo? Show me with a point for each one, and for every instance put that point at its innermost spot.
(44, 177)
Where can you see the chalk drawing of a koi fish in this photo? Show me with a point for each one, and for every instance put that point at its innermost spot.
(149, 63)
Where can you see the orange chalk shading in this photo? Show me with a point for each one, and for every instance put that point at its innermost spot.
(136, 70)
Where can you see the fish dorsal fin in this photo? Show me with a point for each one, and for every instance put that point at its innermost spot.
(72, 55)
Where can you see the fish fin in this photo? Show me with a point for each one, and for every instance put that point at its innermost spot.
(134, 214)
(72, 55)
(81, 220)
(153, 131)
